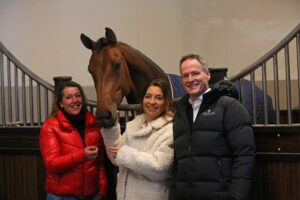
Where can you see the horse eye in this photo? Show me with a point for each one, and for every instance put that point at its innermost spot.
(116, 66)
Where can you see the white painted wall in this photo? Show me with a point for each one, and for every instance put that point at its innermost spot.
(44, 35)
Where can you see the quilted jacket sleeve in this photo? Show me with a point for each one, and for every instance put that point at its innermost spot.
(241, 139)
(51, 152)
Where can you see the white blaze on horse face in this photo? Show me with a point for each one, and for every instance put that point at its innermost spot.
(154, 103)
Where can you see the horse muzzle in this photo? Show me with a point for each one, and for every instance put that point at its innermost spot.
(105, 119)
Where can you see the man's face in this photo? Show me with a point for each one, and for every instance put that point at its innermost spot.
(194, 77)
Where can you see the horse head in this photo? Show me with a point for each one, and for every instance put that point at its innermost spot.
(110, 74)
(118, 70)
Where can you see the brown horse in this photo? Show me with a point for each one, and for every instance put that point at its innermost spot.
(118, 70)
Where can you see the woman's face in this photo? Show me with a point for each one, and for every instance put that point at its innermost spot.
(153, 103)
(71, 101)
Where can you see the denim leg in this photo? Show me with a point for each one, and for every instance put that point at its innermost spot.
(53, 197)
(56, 197)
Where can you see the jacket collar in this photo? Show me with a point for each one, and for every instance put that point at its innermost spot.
(90, 120)
(139, 129)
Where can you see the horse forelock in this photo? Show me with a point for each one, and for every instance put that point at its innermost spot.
(101, 42)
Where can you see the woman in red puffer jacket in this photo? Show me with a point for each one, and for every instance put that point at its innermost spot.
(72, 149)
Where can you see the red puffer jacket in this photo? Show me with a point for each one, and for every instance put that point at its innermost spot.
(68, 171)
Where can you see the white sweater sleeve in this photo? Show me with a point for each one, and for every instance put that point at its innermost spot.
(156, 165)
(112, 137)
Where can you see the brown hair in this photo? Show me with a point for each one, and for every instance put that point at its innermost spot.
(166, 90)
(197, 57)
(59, 96)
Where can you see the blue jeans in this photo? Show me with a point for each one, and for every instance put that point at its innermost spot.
(56, 197)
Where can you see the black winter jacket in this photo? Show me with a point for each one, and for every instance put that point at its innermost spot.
(215, 155)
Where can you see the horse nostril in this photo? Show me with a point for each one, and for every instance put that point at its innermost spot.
(107, 115)
(103, 114)
(105, 118)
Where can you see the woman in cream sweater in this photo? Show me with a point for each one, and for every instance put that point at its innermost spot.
(144, 153)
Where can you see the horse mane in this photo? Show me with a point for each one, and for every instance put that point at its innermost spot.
(103, 41)
(142, 65)
(146, 59)
(111, 39)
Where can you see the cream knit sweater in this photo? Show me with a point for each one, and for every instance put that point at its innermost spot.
(145, 158)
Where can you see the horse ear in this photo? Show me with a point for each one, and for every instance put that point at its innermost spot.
(86, 41)
(110, 35)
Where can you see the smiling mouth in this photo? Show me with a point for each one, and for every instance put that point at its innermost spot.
(75, 106)
(152, 109)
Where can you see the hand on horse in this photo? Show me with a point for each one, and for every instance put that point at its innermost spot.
(114, 150)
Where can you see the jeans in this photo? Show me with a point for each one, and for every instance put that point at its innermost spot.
(56, 197)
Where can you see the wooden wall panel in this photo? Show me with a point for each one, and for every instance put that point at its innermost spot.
(276, 181)
(21, 177)
(277, 175)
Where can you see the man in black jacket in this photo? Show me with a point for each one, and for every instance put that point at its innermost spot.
(213, 139)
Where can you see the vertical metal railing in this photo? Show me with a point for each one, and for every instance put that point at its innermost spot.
(21, 96)
(16, 113)
(285, 111)
(3, 117)
(26, 99)
(276, 88)
(264, 88)
(288, 83)
(253, 92)
(9, 98)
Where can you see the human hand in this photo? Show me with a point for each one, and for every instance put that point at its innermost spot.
(91, 152)
(114, 150)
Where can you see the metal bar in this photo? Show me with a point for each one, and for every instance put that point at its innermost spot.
(2, 88)
(126, 118)
(24, 99)
(288, 83)
(264, 82)
(17, 117)
(242, 99)
(31, 110)
(39, 110)
(252, 75)
(298, 63)
(9, 98)
(92, 109)
(46, 103)
(276, 88)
